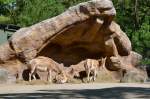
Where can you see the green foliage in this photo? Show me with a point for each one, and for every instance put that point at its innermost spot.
(6, 1)
(145, 62)
(8, 11)
(4, 19)
(141, 39)
(134, 18)
(29, 12)
(69, 3)
(128, 18)
(35, 11)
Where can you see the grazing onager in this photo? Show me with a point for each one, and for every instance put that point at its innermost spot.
(92, 66)
(43, 64)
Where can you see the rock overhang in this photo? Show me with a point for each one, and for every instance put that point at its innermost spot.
(33, 39)
(83, 31)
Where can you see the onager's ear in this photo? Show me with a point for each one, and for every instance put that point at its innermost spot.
(104, 60)
(62, 64)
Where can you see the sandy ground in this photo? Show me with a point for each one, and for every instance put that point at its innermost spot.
(76, 91)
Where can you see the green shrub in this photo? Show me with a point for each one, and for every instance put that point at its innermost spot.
(145, 62)
(5, 20)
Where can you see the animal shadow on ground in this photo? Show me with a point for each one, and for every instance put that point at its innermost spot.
(106, 93)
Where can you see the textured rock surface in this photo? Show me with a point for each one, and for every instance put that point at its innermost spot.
(6, 52)
(135, 75)
(14, 69)
(86, 30)
(3, 76)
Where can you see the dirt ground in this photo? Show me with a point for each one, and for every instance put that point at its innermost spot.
(76, 91)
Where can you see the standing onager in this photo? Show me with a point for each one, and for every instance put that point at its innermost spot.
(44, 64)
(92, 66)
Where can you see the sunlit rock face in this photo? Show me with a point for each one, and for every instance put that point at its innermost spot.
(86, 30)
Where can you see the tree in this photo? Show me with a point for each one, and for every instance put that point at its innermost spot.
(7, 11)
(33, 11)
(134, 20)
(142, 42)
(69, 3)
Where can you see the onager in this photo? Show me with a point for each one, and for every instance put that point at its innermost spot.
(92, 66)
(44, 64)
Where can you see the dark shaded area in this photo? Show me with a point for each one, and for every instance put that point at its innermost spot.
(9, 27)
(107, 93)
(148, 71)
(25, 75)
(68, 55)
(82, 75)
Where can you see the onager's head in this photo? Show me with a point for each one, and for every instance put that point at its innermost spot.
(102, 62)
(61, 78)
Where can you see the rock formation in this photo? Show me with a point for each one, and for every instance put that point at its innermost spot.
(86, 30)
(3, 75)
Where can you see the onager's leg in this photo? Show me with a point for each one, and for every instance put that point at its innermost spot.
(88, 75)
(20, 76)
(103, 62)
(31, 73)
(91, 78)
(34, 76)
(95, 74)
(49, 76)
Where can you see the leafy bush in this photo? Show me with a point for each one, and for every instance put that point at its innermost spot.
(35, 11)
(145, 62)
(141, 39)
(5, 20)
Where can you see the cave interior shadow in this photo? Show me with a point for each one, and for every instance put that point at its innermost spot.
(25, 75)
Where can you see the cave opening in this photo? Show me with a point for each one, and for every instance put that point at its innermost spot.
(76, 43)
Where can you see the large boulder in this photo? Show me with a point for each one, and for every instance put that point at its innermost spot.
(86, 30)
(113, 64)
(134, 75)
